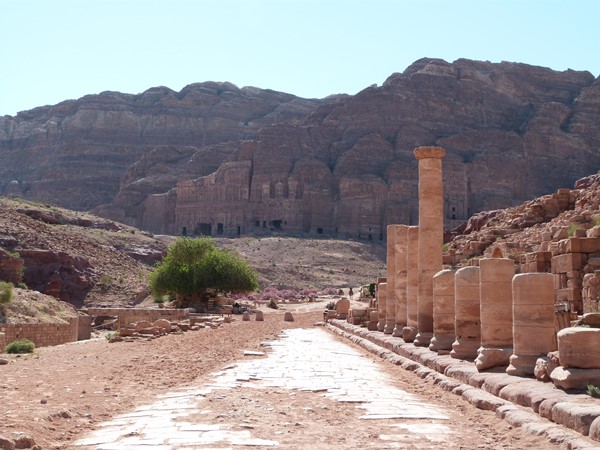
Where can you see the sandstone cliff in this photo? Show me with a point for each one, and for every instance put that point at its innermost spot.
(216, 159)
(511, 132)
(115, 149)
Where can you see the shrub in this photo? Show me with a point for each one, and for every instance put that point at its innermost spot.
(20, 346)
(572, 228)
(106, 279)
(597, 221)
(6, 292)
(593, 391)
(329, 291)
(22, 285)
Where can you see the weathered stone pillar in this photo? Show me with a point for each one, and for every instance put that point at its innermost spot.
(381, 300)
(431, 235)
(466, 313)
(495, 291)
(390, 303)
(382, 296)
(400, 247)
(412, 282)
(443, 311)
(533, 321)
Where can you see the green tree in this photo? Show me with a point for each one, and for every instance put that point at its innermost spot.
(193, 268)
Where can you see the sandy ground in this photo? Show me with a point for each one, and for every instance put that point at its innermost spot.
(59, 394)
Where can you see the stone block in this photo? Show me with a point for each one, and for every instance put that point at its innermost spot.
(567, 262)
(575, 416)
(578, 347)
(584, 245)
(568, 295)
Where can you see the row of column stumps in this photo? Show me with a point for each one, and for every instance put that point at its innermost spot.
(484, 313)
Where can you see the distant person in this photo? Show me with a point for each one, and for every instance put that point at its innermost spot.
(350, 293)
(340, 292)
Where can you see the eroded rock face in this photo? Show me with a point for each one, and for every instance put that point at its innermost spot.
(116, 149)
(63, 276)
(217, 159)
(348, 168)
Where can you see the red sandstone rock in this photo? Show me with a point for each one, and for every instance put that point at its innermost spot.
(311, 165)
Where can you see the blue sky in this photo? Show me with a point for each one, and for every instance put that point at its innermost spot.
(54, 50)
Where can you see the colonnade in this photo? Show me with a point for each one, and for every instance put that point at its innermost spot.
(482, 312)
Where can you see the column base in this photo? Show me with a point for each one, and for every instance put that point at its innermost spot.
(441, 342)
(409, 333)
(464, 350)
(522, 365)
(381, 324)
(389, 326)
(488, 357)
(398, 330)
(423, 338)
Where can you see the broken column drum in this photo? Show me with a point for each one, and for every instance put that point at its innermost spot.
(412, 282)
(495, 290)
(400, 247)
(390, 303)
(431, 235)
(443, 311)
(466, 313)
(533, 321)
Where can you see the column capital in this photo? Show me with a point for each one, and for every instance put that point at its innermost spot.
(429, 152)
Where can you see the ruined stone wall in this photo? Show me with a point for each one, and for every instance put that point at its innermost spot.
(128, 315)
(41, 334)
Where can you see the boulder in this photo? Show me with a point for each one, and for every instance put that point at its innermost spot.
(245, 316)
(288, 317)
(259, 317)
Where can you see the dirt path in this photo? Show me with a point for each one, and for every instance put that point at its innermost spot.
(59, 394)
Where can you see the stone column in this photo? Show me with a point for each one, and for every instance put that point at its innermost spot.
(390, 303)
(431, 235)
(443, 311)
(412, 282)
(495, 291)
(466, 313)
(401, 245)
(382, 298)
(533, 321)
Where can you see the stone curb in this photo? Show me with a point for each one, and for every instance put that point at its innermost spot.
(563, 418)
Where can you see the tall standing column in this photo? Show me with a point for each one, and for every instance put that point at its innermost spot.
(495, 290)
(381, 301)
(401, 245)
(466, 313)
(533, 321)
(431, 235)
(443, 311)
(412, 284)
(382, 292)
(390, 305)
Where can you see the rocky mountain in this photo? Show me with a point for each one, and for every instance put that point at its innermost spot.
(115, 149)
(215, 159)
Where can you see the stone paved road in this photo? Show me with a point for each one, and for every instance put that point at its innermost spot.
(303, 362)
